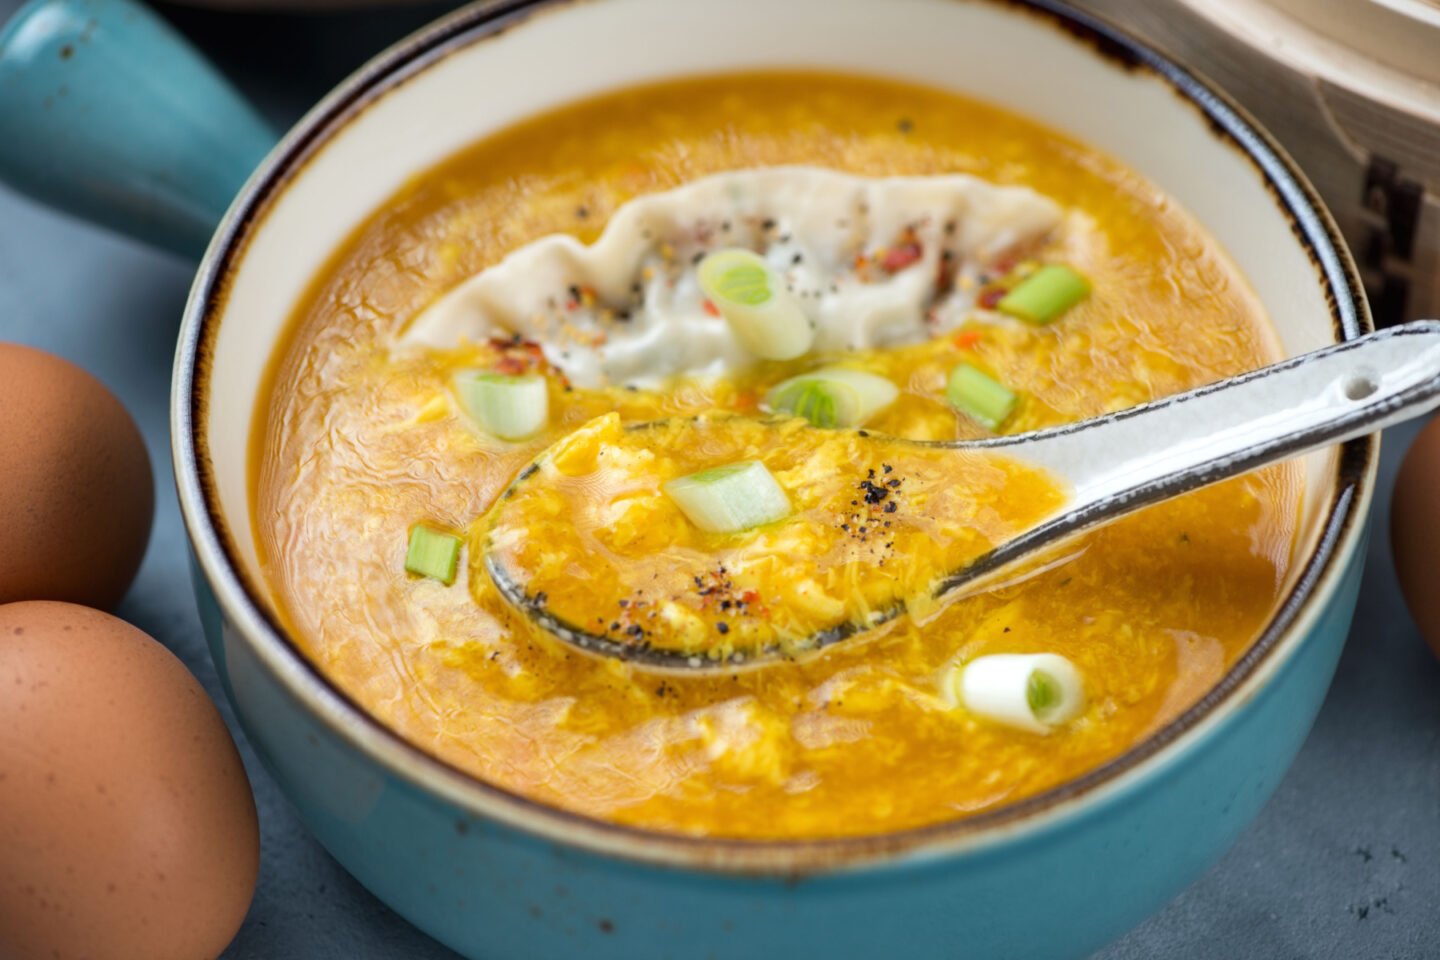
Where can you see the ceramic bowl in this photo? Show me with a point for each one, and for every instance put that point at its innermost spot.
(494, 875)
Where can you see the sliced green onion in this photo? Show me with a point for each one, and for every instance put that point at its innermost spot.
(432, 554)
(766, 318)
(825, 405)
(1043, 692)
(980, 396)
(511, 408)
(833, 397)
(731, 498)
(1045, 294)
(1032, 691)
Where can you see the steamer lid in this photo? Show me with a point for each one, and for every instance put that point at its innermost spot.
(1387, 51)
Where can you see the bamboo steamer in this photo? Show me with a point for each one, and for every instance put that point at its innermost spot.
(1352, 90)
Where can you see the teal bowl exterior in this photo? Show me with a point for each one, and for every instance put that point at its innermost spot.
(108, 114)
(92, 84)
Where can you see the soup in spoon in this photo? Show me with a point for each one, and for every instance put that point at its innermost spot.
(728, 538)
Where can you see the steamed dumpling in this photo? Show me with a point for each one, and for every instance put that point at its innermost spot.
(873, 261)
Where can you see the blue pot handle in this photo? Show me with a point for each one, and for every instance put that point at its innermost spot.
(109, 114)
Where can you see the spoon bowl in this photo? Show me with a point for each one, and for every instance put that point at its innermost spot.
(1053, 485)
(868, 524)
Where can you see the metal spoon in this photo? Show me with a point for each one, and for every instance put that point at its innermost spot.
(1121, 462)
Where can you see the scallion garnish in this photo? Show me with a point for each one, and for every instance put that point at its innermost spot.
(823, 404)
(765, 317)
(833, 396)
(508, 407)
(1045, 294)
(1043, 692)
(1033, 691)
(432, 554)
(731, 498)
(980, 396)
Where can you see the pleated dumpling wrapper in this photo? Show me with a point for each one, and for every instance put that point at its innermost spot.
(871, 261)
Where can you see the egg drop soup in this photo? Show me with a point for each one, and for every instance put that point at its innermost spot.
(416, 383)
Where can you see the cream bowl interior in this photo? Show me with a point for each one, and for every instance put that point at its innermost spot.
(466, 89)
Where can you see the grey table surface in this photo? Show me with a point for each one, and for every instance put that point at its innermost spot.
(1343, 863)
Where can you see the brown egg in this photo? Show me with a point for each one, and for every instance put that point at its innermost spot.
(127, 827)
(76, 493)
(1415, 531)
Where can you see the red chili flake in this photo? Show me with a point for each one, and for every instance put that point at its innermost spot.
(1006, 263)
(899, 257)
(752, 606)
(991, 296)
(747, 400)
(711, 309)
(966, 339)
(518, 355)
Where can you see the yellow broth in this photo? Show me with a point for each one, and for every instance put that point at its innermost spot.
(354, 444)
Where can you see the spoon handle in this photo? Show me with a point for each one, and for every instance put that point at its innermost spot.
(1123, 461)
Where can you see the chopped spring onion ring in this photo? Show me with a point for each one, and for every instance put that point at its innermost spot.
(508, 407)
(833, 397)
(1028, 691)
(823, 404)
(731, 498)
(765, 317)
(980, 396)
(432, 554)
(1045, 294)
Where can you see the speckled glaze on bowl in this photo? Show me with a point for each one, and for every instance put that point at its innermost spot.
(495, 875)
